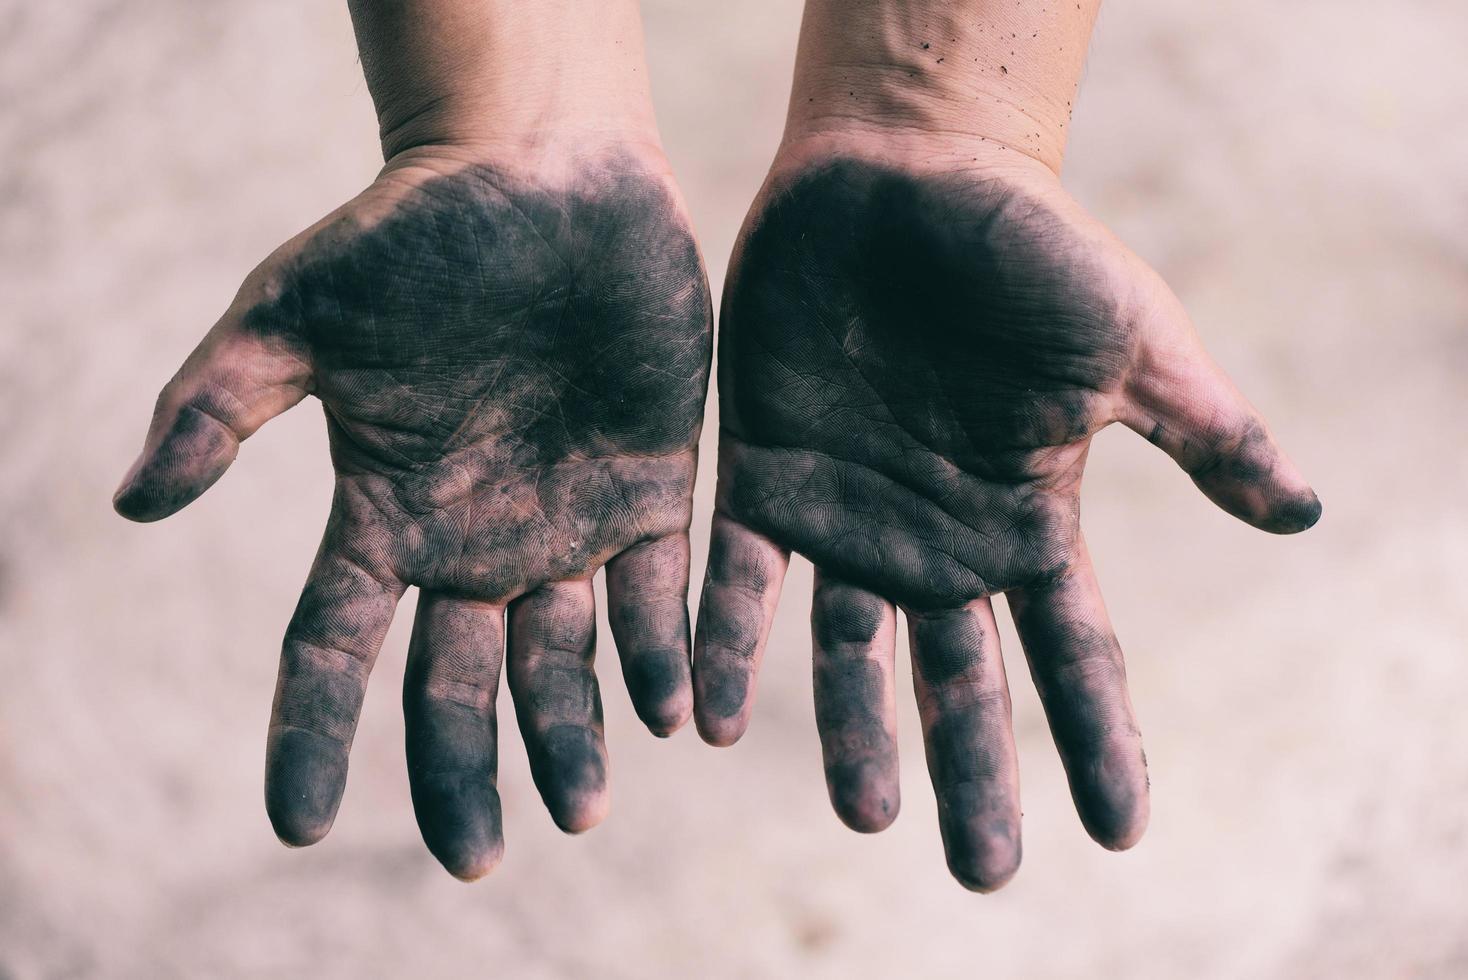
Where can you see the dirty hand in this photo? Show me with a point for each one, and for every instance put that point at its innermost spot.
(510, 338)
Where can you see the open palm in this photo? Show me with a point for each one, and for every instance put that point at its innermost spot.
(513, 371)
(912, 364)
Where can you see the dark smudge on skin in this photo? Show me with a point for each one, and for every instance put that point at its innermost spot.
(947, 646)
(546, 411)
(724, 692)
(901, 356)
(860, 753)
(852, 702)
(978, 817)
(569, 765)
(649, 682)
(731, 622)
(845, 615)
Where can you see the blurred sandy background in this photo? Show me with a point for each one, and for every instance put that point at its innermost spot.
(1297, 171)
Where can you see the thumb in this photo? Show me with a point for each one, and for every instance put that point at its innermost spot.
(1182, 401)
(239, 378)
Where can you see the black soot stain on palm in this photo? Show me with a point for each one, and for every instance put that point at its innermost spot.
(513, 375)
(909, 367)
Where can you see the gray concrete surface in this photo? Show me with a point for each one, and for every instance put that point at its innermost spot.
(1296, 170)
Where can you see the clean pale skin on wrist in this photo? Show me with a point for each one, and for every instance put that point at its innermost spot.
(969, 72)
(466, 73)
(921, 331)
(509, 332)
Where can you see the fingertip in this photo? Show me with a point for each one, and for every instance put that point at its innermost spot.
(661, 691)
(296, 830)
(722, 693)
(1250, 477)
(1117, 828)
(301, 799)
(983, 847)
(1118, 841)
(986, 873)
(1111, 790)
(459, 817)
(983, 856)
(128, 503)
(145, 497)
(569, 765)
(186, 461)
(579, 816)
(122, 497)
(865, 791)
(986, 862)
(720, 732)
(667, 718)
(1294, 516)
(460, 825)
(471, 860)
(474, 867)
(303, 788)
(982, 885)
(869, 812)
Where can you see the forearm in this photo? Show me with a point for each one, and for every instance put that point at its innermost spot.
(447, 71)
(984, 70)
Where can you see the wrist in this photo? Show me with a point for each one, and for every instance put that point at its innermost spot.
(974, 73)
(505, 73)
